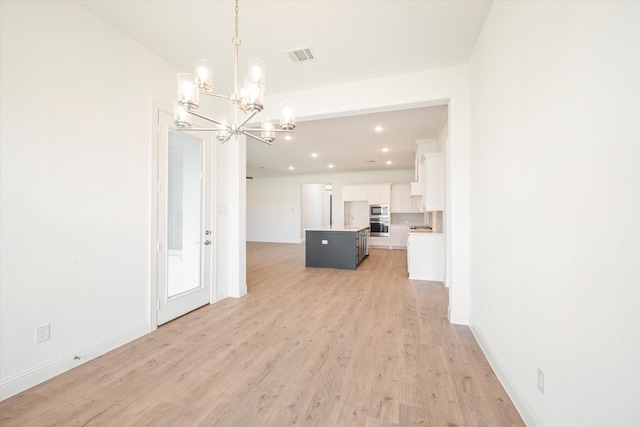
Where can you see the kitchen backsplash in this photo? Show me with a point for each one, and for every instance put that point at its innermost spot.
(408, 218)
(432, 219)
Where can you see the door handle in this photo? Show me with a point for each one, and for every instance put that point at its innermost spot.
(207, 242)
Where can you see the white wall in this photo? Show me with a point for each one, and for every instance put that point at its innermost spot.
(274, 204)
(75, 188)
(443, 134)
(555, 207)
(356, 213)
(312, 205)
(230, 221)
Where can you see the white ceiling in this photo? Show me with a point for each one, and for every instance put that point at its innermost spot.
(347, 143)
(352, 40)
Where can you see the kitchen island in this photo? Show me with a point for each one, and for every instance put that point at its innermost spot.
(336, 247)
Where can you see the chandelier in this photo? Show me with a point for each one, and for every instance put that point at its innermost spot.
(248, 101)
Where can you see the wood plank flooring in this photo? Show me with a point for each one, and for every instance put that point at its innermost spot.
(305, 346)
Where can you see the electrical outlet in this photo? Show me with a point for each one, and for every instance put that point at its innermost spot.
(540, 381)
(43, 333)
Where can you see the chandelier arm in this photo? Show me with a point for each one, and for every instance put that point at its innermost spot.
(241, 107)
(268, 130)
(246, 120)
(193, 113)
(192, 129)
(217, 95)
(255, 137)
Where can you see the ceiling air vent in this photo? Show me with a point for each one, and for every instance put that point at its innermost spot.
(301, 55)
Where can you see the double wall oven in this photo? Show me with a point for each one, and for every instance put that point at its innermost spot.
(379, 220)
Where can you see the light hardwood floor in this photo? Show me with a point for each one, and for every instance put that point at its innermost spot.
(305, 346)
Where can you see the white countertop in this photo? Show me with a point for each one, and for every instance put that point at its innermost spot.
(354, 229)
(423, 232)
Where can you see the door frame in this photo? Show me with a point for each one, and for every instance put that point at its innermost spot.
(158, 107)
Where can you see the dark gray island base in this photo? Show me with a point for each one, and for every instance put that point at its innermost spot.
(342, 248)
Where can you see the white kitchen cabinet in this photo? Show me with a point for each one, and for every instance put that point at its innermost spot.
(433, 196)
(398, 236)
(354, 193)
(379, 194)
(426, 256)
(401, 200)
(416, 188)
(379, 242)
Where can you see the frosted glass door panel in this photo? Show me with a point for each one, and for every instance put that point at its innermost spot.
(184, 216)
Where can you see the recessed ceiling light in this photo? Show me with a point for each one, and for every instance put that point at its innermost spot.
(287, 137)
(378, 128)
(330, 166)
(291, 168)
(385, 149)
(314, 155)
(388, 162)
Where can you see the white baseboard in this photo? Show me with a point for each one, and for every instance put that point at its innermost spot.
(38, 374)
(527, 414)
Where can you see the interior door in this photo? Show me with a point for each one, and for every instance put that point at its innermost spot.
(184, 232)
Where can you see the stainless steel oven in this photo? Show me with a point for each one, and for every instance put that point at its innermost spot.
(379, 226)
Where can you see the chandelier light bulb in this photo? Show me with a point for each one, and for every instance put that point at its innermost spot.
(204, 72)
(267, 131)
(253, 95)
(287, 116)
(188, 93)
(181, 117)
(257, 72)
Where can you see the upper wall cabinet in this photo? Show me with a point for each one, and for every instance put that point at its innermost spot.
(379, 194)
(354, 193)
(434, 182)
(401, 200)
(415, 188)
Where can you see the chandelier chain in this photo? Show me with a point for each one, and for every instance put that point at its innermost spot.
(236, 39)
